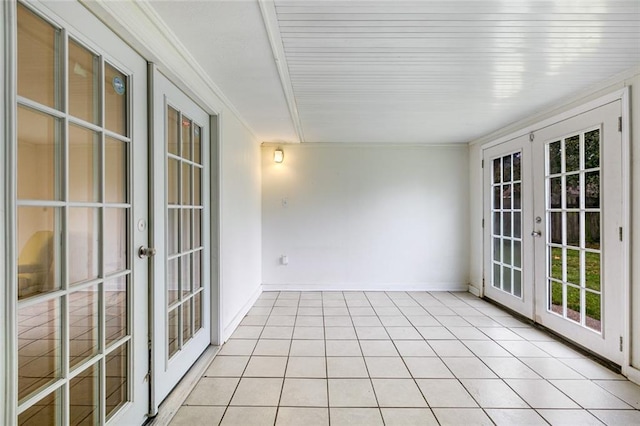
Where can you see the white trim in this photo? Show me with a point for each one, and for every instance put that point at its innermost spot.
(631, 373)
(270, 18)
(474, 290)
(215, 302)
(438, 286)
(626, 171)
(387, 145)
(235, 322)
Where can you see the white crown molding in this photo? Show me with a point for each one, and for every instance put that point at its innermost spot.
(270, 18)
(381, 145)
(138, 23)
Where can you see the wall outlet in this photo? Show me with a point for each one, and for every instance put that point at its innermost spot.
(284, 260)
(285, 202)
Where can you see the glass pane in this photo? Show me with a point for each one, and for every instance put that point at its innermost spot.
(115, 296)
(497, 282)
(517, 253)
(84, 324)
(185, 282)
(555, 263)
(115, 171)
(574, 306)
(555, 227)
(84, 164)
(115, 240)
(38, 155)
(197, 312)
(173, 216)
(506, 279)
(593, 309)
(173, 328)
(186, 138)
(517, 225)
(84, 237)
(197, 278)
(592, 230)
(497, 169)
(496, 224)
(116, 384)
(197, 185)
(39, 346)
(517, 283)
(39, 239)
(592, 190)
(83, 397)
(573, 266)
(573, 229)
(496, 249)
(185, 230)
(592, 271)
(173, 135)
(186, 321)
(47, 411)
(172, 181)
(197, 144)
(572, 153)
(517, 157)
(197, 229)
(83, 83)
(506, 224)
(38, 45)
(172, 281)
(506, 196)
(186, 184)
(555, 160)
(555, 198)
(506, 252)
(115, 100)
(497, 197)
(592, 149)
(573, 192)
(555, 296)
(517, 201)
(506, 168)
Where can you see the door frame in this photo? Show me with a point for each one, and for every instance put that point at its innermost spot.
(623, 95)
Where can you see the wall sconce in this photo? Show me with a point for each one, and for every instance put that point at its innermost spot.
(278, 155)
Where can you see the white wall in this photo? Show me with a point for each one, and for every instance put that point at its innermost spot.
(365, 217)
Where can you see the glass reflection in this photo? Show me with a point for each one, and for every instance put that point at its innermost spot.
(115, 171)
(115, 239)
(83, 324)
(47, 411)
(173, 329)
(83, 397)
(115, 100)
(84, 164)
(83, 83)
(116, 379)
(517, 158)
(592, 149)
(572, 153)
(497, 282)
(506, 168)
(497, 169)
(116, 301)
(84, 239)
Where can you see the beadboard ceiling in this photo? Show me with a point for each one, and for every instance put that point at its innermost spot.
(446, 71)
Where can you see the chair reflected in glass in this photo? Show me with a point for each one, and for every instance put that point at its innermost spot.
(35, 265)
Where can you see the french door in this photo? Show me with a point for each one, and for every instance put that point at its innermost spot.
(553, 252)
(78, 346)
(181, 265)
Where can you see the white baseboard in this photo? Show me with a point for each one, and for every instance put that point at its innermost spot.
(231, 327)
(474, 290)
(632, 374)
(366, 287)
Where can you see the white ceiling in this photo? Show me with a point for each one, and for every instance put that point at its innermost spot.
(445, 71)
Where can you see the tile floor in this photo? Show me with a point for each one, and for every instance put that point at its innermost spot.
(400, 358)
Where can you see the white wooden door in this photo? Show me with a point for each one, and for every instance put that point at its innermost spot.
(577, 172)
(181, 271)
(80, 292)
(508, 206)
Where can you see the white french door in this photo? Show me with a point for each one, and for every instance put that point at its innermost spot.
(181, 266)
(553, 252)
(78, 346)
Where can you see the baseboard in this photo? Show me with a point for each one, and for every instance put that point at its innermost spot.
(632, 374)
(367, 287)
(235, 322)
(474, 290)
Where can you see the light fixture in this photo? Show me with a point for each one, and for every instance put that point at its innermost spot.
(278, 155)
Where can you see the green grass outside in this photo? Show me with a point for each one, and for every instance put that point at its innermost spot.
(592, 275)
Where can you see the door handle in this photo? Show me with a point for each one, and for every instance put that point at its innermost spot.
(146, 252)
(536, 234)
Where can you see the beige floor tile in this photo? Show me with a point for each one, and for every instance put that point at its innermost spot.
(414, 348)
(520, 417)
(378, 348)
(346, 367)
(618, 417)
(449, 348)
(483, 348)
(627, 391)
(238, 347)
(427, 368)
(551, 368)
(304, 393)
(540, 394)
(356, 417)
(395, 321)
(310, 321)
(366, 321)
(467, 333)
(212, 391)
(227, 366)
(468, 368)
(408, 417)
(559, 417)
(309, 311)
(423, 321)
(281, 320)
(445, 393)
(296, 416)
(340, 333)
(197, 415)
(558, 349)
(272, 347)
(277, 332)
(372, 333)
(510, 368)
(308, 333)
(335, 311)
(398, 393)
(522, 348)
(403, 333)
(462, 416)
(351, 393)
(500, 333)
(435, 333)
(266, 366)
(338, 321)
(255, 320)
(283, 310)
(589, 395)
(249, 416)
(387, 310)
(359, 311)
(386, 367)
(258, 391)
(591, 369)
(307, 367)
(493, 393)
(307, 348)
(343, 348)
